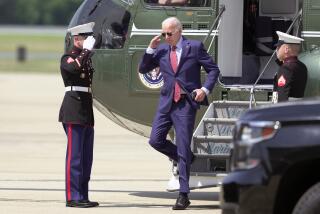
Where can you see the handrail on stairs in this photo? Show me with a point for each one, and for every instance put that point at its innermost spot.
(216, 22)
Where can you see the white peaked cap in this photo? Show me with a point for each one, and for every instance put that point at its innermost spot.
(82, 29)
(285, 38)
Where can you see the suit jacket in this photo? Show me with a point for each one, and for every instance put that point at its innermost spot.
(188, 76)
(76, 70)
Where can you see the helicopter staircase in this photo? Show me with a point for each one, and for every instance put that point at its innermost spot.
(212, 144)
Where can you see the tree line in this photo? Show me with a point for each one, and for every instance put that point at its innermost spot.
(38, 12)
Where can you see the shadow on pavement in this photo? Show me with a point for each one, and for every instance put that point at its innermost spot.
(203, 196)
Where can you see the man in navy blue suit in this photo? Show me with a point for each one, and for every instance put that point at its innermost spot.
(180, 61)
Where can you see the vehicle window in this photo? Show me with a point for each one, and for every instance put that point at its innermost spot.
(183, 3)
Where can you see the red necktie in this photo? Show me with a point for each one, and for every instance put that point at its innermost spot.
(174, 64)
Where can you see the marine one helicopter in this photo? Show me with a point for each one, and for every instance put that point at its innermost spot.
(239, 35)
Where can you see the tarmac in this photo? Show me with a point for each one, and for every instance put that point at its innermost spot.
(128, 176)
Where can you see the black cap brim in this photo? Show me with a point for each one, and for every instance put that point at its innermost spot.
(279, 43)
(86, 34)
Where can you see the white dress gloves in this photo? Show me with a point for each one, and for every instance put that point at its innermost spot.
(88, 43)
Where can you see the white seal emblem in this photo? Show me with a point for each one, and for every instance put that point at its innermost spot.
(152, 79)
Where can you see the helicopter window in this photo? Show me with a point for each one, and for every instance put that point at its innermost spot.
(114, 30)
(183, 3)
(271, 8)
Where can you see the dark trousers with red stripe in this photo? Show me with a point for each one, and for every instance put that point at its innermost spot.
(78, 160)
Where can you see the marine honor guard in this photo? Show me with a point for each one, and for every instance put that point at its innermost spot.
(76, 115)
(290, 81)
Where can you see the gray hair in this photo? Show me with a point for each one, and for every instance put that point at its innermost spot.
(172, 21)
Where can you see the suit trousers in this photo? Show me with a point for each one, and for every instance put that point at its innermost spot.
(78, 160)
(182, 117)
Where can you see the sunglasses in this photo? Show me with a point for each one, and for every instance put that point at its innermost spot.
(167, 33)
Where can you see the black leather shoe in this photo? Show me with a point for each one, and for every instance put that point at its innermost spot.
(181, 203)
(82, 203)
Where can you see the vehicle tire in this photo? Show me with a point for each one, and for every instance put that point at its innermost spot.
(309, 203)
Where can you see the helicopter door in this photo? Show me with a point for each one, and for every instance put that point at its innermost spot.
(230, 40)
(110, 47)
(112, 26)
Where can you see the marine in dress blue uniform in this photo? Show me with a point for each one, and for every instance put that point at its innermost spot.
(291, 79)
(76, 115)
(180, 61)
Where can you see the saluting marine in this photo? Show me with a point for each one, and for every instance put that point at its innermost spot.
(291, 79)
(76, 115)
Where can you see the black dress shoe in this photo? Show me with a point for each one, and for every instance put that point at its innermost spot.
(82, 203)
(181, 203)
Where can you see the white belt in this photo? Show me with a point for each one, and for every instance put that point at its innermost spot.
(78, 88)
